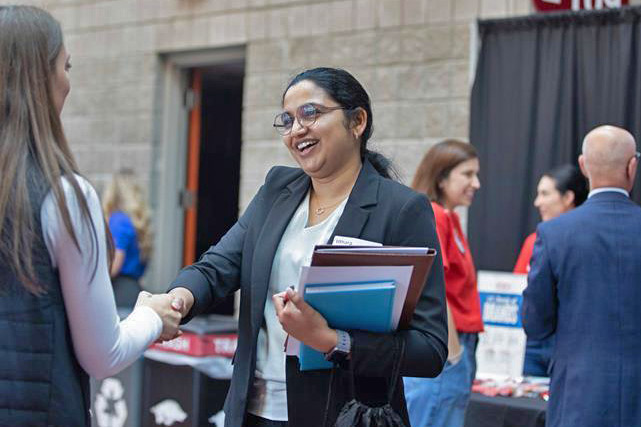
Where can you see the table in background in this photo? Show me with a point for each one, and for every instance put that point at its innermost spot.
(486, 411)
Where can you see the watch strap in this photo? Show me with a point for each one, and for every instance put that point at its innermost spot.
(342, 349)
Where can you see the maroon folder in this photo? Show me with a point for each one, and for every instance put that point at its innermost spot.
(334, 256)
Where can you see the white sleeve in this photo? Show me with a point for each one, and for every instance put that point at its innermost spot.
(103, 344)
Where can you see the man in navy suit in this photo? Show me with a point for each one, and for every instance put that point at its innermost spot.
(584, 285)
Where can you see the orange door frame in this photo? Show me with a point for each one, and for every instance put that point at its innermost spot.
(193, 164)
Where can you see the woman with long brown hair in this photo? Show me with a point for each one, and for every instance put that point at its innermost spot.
(58, 319)
(448, 174)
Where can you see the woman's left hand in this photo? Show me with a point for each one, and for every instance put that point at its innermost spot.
(302, 322)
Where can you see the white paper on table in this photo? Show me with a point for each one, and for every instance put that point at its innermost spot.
(400, 274)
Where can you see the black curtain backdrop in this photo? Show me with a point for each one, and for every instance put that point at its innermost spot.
(542, 82)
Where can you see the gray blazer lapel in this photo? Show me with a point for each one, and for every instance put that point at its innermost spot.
(364, 195)
(274, 226)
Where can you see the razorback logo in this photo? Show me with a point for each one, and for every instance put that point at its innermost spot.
(218, 419)
(168, 412)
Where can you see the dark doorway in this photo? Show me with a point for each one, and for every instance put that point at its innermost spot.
(221, 98)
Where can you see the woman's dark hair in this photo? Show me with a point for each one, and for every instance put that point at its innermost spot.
(343, 88)
(437, 164)
(569, 178)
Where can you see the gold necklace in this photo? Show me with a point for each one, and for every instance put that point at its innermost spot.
(321, 210)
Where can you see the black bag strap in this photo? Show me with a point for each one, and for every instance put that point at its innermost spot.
(396, 373)
(329, 395)
(399, 352)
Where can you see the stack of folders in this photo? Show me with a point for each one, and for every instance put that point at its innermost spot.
(361, 288)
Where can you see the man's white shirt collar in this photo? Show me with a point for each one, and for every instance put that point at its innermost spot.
(604, 189)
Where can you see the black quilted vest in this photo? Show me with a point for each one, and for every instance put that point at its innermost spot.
(41, 382)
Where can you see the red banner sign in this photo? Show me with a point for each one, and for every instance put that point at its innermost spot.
(200, 345)
(558, 5)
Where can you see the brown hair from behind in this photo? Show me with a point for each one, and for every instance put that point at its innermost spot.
(437, 164)
(31, 135)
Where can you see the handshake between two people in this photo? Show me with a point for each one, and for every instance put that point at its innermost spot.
(171, 308)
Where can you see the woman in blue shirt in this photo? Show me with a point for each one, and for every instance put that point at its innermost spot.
(129, 223)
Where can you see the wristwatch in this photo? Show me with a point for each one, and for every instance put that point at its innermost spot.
(343, 347)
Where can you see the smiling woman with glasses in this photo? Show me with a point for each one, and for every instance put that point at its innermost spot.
(341, 188)
(305, 115)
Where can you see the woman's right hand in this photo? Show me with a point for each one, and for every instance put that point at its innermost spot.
(169, 310)
(183, 300)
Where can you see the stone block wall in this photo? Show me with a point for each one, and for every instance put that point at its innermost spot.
(413, 56)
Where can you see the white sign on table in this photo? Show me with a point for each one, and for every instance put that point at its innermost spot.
(501, 347)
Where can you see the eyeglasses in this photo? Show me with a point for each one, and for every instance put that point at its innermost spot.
(306, 116)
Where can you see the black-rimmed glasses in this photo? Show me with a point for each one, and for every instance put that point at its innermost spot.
(306, 116)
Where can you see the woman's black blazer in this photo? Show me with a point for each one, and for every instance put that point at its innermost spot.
(378, 210)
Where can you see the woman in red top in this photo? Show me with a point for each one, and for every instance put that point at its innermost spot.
(559, 190)
(448, 174)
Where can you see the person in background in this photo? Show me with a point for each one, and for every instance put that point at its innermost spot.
(58, 318)
(584, 287)
(448, 174)
(340, 189)
(560, 190)
(129, 222)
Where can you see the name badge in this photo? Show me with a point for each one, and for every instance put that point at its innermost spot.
(353, 241)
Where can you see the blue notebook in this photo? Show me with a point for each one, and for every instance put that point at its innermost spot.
(366, 306)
